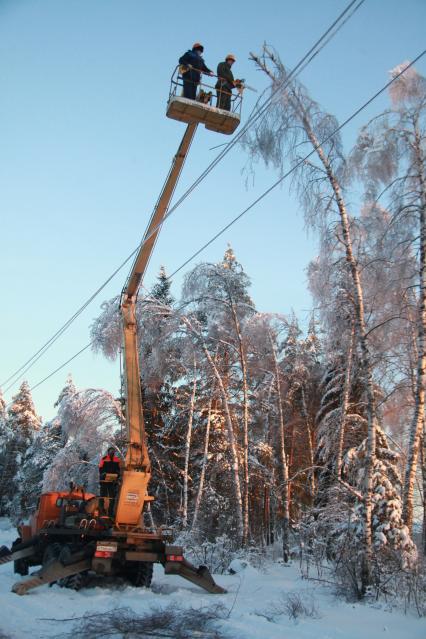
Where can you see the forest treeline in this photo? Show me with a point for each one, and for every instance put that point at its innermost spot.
(259, 430)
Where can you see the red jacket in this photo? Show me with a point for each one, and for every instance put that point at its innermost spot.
(108, 465)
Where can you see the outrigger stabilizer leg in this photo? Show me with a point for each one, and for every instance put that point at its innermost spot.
(174, 564)
(199, 576)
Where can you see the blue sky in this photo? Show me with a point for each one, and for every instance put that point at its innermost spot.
(85, 147)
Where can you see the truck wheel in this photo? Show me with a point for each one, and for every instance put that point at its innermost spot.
(20, 566)
(74, 582)
(52, 551)
(140, 574)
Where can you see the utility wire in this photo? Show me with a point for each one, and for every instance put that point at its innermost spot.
(61, 366)
(265, 193)
(338, 23)
(32, 360)
(257, 114)
(296, 166)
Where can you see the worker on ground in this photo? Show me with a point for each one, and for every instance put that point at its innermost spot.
(225, 83)
(109, 474)
(194, 66)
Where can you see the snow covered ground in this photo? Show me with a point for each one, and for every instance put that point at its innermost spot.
(251, 594)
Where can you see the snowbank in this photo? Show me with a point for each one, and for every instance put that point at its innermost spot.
(46, 612)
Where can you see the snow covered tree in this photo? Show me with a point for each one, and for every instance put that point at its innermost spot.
(2, 408)
(393, 547)
(217, 294)
(4, 436)
(161, 290)
(22, 424)
(391, 158)
(295, 122)
(89, 420)
(38, 459)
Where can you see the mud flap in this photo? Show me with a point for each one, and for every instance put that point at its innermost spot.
(52, 571)
(200, 576)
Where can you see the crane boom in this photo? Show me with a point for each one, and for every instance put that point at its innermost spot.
(136, 475)
(119, 543)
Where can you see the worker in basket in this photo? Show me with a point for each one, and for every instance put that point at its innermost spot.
(225, 83)
(109, 474)
(192, 65)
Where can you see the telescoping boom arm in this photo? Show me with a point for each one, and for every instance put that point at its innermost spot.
(137, 472)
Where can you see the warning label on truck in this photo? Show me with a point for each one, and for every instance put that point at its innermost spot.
(132, 498)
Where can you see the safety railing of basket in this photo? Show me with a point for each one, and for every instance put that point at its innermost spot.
(206, 93)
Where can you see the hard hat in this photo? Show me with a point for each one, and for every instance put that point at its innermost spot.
(197, 45)
(230, 56)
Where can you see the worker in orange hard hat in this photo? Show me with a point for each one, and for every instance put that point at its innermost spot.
(225, 82)
(194, 66)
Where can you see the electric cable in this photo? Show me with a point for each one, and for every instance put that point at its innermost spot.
(267, 191)
(296, 166)
(307, 58)
(32, 360)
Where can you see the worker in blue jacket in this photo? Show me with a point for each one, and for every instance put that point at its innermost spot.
(194, 65)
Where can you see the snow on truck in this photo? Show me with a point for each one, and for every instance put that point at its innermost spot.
(70, 536)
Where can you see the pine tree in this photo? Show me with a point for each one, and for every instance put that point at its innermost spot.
(23, 424)
(161, 290)
(392, 544)
(39, 457)
(4, 439)
(2, 408)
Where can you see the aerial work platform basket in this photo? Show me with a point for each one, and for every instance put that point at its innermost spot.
(201, 110)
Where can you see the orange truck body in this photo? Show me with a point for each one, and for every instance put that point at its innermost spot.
(48, 512)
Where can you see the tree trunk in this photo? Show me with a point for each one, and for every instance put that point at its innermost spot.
(204, 465)
(230, 431)
(311, 448)
(232, 447)
(419, 412)
(285, 493)
(358, 301)
(245, 426)
(345, 403)
(188, 448)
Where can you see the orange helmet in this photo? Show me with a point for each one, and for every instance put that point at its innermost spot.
(197, 45)
(230, 56)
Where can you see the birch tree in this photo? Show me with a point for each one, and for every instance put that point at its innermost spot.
(294, 123)
(194, 330)
(391, 158)
(219, 291)
(188, 446)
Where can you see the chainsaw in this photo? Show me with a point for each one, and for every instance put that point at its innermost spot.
(241, 85)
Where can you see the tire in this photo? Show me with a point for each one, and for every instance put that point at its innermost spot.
(52, 551)
(74, 582)
(20, 566)
(140, 574)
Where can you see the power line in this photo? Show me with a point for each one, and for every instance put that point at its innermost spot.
(256, 115)
(32, 360)
(56, 370)
(338, 23)
(61, 366)
(267, 191)
(296, 166)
